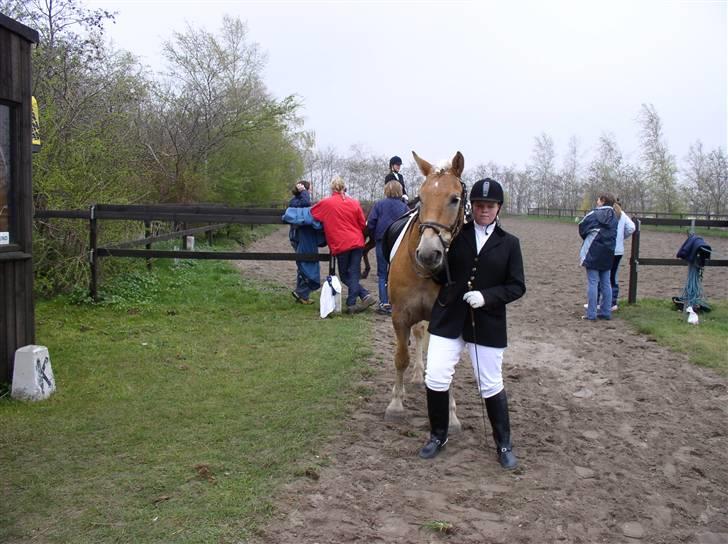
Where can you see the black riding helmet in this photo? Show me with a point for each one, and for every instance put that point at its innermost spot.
(395, 160)
(487, 189)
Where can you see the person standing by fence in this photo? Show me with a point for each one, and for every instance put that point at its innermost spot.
(625, 228)
(383, 214)
(303, 239)
(598, 230)
(344, 223)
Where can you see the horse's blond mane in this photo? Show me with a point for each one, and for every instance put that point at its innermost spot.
(442, 167)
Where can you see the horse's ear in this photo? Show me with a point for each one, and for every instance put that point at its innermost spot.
(425, 167)
(458, 164)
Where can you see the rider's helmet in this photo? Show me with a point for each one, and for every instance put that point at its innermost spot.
(487, 189)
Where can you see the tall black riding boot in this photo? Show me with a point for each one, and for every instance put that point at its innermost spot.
(497, 407)
(438, 410)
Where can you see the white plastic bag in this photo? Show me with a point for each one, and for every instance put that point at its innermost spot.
(330, 296)
(692, 316)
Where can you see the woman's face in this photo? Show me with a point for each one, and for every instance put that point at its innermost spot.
(485, 212)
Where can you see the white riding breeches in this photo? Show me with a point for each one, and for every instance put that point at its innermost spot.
(444, 353)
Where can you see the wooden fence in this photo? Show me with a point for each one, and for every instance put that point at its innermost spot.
(574, 212)
(635, 261)
(216, 217)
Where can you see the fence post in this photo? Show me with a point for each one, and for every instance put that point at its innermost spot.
(147, 234)
(92, 256)
(184, 238)
(209, 235)
(634, 263)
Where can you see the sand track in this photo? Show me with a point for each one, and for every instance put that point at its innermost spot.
(619, 439)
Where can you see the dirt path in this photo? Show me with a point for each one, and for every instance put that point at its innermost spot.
(619, 440)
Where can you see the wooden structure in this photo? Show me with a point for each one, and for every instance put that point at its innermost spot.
(17, 322)
(178, 214)
(635, 261)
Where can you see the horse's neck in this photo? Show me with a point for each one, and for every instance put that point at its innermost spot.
(414, 236)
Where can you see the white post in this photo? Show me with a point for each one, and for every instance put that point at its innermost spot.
(32, 376)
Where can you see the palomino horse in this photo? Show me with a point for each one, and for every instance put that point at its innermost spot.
(422, 255)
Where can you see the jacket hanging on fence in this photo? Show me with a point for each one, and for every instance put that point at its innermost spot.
(694, 250)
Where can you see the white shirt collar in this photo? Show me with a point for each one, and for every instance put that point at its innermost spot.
(482, 233)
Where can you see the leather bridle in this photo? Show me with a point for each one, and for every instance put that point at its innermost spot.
(453, 229)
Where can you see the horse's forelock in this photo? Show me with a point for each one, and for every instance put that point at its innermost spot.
(442, 167)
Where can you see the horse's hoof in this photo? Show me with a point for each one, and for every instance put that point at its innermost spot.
(393, 415)
(455, 427)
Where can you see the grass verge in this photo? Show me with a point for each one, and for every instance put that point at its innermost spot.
(182, 404)
(706, 343)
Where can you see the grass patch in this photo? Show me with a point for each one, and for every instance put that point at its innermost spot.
(706, 343)
(178, 413)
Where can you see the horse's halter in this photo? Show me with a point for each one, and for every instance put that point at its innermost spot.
(453, 229)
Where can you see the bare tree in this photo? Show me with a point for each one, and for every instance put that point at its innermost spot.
(657, 163)
(542, 171)
(603, 173)
(696, 177)
(571, 189)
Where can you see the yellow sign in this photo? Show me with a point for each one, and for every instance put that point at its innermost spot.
(36, 126)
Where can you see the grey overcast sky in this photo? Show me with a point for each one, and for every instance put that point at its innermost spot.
(483, 77)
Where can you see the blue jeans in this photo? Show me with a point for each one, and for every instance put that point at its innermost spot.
(597, 283)
(615, 279)
(350, 272)
(382, 273)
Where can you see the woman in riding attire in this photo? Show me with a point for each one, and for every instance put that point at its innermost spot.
(395, 164)
(486, 271)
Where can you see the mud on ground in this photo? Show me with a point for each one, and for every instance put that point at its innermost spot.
(619, 439)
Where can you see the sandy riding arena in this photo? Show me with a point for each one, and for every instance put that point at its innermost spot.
(619, 439)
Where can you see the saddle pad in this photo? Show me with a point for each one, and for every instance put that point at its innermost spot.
(394, 234)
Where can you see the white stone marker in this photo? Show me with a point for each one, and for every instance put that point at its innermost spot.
(190, 243)
(32, 375)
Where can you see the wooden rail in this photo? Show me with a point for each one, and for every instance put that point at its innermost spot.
(177, 214)
(635, 261)
(577, 212)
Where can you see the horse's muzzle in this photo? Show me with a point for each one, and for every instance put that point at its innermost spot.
(430, 254)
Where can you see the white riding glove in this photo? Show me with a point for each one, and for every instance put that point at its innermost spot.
(474, 298)
(405, 199)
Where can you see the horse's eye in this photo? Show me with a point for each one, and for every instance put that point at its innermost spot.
(455, 200)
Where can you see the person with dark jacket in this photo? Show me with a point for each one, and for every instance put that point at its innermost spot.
(598, 230)
(395, 164)
(303, 240)
(383, 214)
(486, 271)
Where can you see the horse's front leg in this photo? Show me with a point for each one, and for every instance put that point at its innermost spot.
(368, 246)
(454, 426)
(395, 410)
(419, 333)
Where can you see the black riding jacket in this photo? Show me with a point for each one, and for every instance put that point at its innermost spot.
(497, 272)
